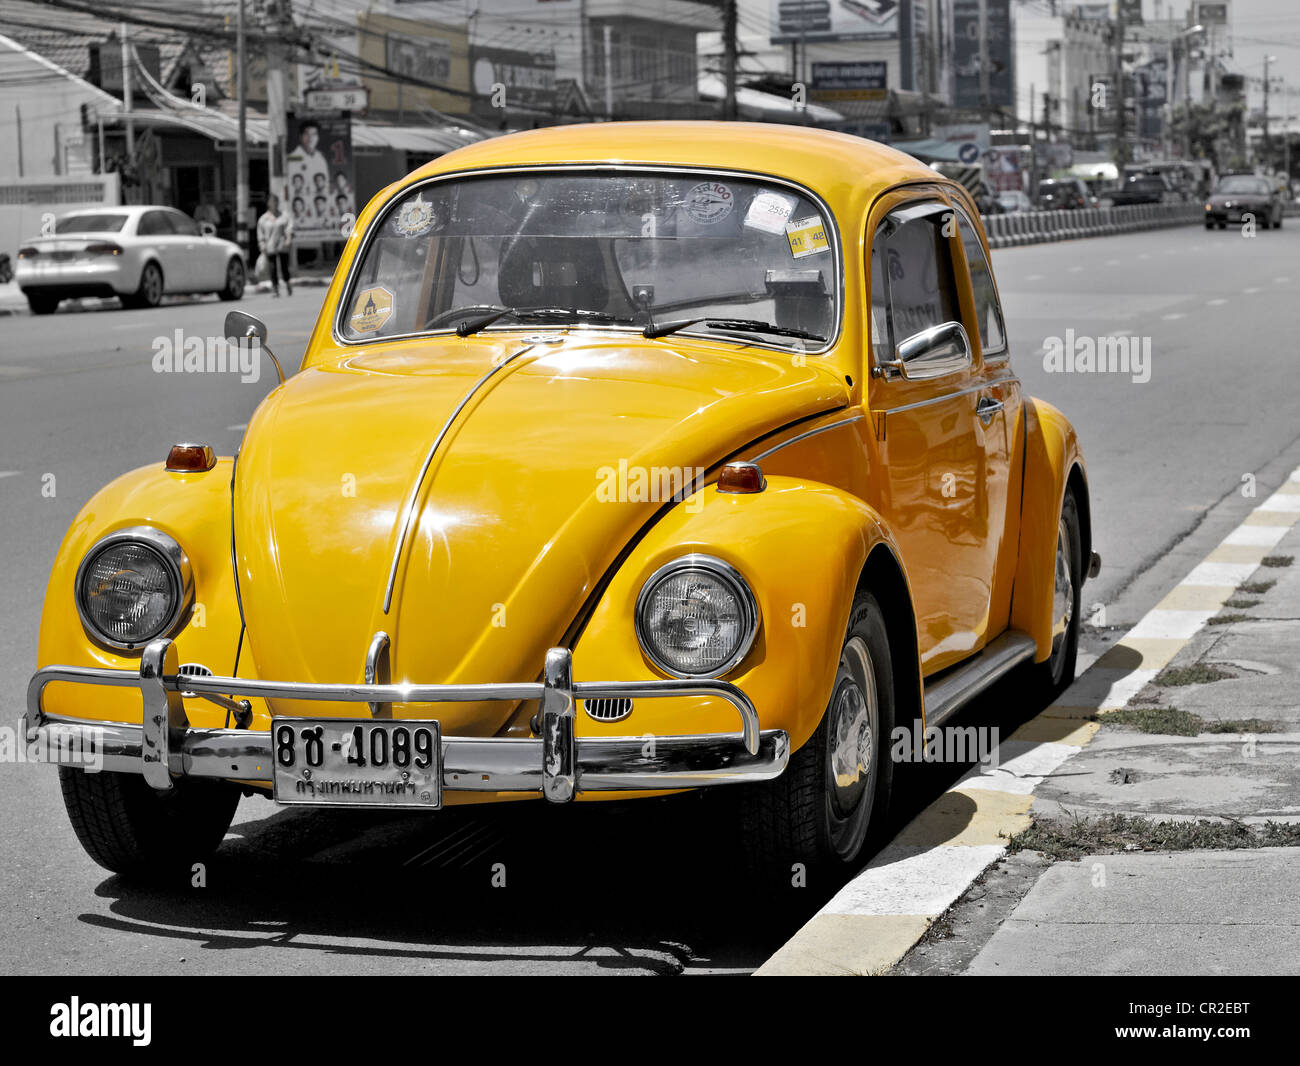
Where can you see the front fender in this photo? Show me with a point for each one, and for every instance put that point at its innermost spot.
(802, 547)
(1053, 460)
(194, 509)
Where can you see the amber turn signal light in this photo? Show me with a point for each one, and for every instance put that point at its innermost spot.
(741, 477)
(191, 458)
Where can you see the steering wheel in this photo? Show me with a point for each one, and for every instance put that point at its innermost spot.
(444, 317)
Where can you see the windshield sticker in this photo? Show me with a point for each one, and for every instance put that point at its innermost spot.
(769, 212)
(373, 307)
(807, 236)
(709, 203)
(415, 218)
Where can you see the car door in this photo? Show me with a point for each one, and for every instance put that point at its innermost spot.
(932, 450)
(998, 409)
(156, 231)
(205, 258)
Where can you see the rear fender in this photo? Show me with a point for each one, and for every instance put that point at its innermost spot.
(1053, 462)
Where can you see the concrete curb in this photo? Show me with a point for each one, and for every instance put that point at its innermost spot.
(1035, 227)
(874, 920)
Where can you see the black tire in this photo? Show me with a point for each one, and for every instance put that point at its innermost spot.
(1048, 679)
(150, 292)
(127, 827)
(236, 279)
(1278, 223)
(42, 305)
(1209, 225)
(800, 817)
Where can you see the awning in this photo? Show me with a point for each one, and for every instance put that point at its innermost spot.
(751, 103)
(224, 129)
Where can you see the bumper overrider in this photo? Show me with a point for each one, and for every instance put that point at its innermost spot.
(557, 765)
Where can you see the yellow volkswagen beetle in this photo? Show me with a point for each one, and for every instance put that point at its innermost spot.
(623, 459)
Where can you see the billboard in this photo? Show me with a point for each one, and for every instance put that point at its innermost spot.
(967, 55)
(510, 78)
(318, 188)
(817, 21)
(850, 81)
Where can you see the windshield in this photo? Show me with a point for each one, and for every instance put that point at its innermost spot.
(106, 223)
(580, 248)
(1241, 184)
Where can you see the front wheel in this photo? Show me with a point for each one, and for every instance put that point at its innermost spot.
(42, 305)
(127, 827)
(834, 794)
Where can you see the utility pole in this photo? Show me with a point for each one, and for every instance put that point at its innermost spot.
(1264, 143)
(127, 102)
(1121, 149)
(729, 59)
(241, 148)
(277, 94)
(984, 59)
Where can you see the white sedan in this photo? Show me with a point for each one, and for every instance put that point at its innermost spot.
(138, 254)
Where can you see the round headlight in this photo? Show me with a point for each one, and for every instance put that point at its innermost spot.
(132, 586)
(696, 617)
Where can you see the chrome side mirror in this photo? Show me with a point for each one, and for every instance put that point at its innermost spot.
(243, 328)
(932, 353)
(207, 229)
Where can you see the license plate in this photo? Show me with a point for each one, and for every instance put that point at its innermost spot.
(346, 762)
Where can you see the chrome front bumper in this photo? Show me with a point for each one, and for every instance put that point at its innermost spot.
(558, 765)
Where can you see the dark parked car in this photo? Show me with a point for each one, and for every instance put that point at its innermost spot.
(1238, 195)
(1057, 194)
(1143, 189)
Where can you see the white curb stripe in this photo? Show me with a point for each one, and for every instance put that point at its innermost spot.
(1169, 625)
(913, 880)
(1023, 764)
(1256, 536)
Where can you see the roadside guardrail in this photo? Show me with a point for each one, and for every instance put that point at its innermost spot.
(1035, 227)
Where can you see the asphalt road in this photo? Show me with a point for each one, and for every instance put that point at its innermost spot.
(646, 888)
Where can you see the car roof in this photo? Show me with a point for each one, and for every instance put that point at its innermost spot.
(822, 160)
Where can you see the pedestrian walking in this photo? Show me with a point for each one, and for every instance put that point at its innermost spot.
(275, 238)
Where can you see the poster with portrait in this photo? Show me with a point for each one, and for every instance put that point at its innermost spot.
(318, 190)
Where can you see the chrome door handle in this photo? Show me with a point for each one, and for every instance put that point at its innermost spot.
(987, 408)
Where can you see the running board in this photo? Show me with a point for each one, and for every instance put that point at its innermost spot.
(945, 697)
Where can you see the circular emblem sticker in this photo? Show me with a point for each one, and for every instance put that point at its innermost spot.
(414, 218)
(371, 309)
(709, 203)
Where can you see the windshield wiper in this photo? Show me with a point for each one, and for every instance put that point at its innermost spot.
(473, 325)
(743, 324)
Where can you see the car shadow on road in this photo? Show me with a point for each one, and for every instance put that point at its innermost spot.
(647, 887)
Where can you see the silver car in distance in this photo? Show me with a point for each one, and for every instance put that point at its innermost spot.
(137, 253)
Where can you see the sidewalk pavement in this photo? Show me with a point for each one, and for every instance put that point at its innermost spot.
(1183, 912)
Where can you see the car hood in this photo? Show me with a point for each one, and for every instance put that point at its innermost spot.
(532, 493)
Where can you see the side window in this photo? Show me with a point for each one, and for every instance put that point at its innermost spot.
(182, 225)
(153, 224)
(912, 278)
(993, 338)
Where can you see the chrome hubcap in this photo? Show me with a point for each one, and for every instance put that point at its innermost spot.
(854, 718)
(152, 285)
(1063, 590)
